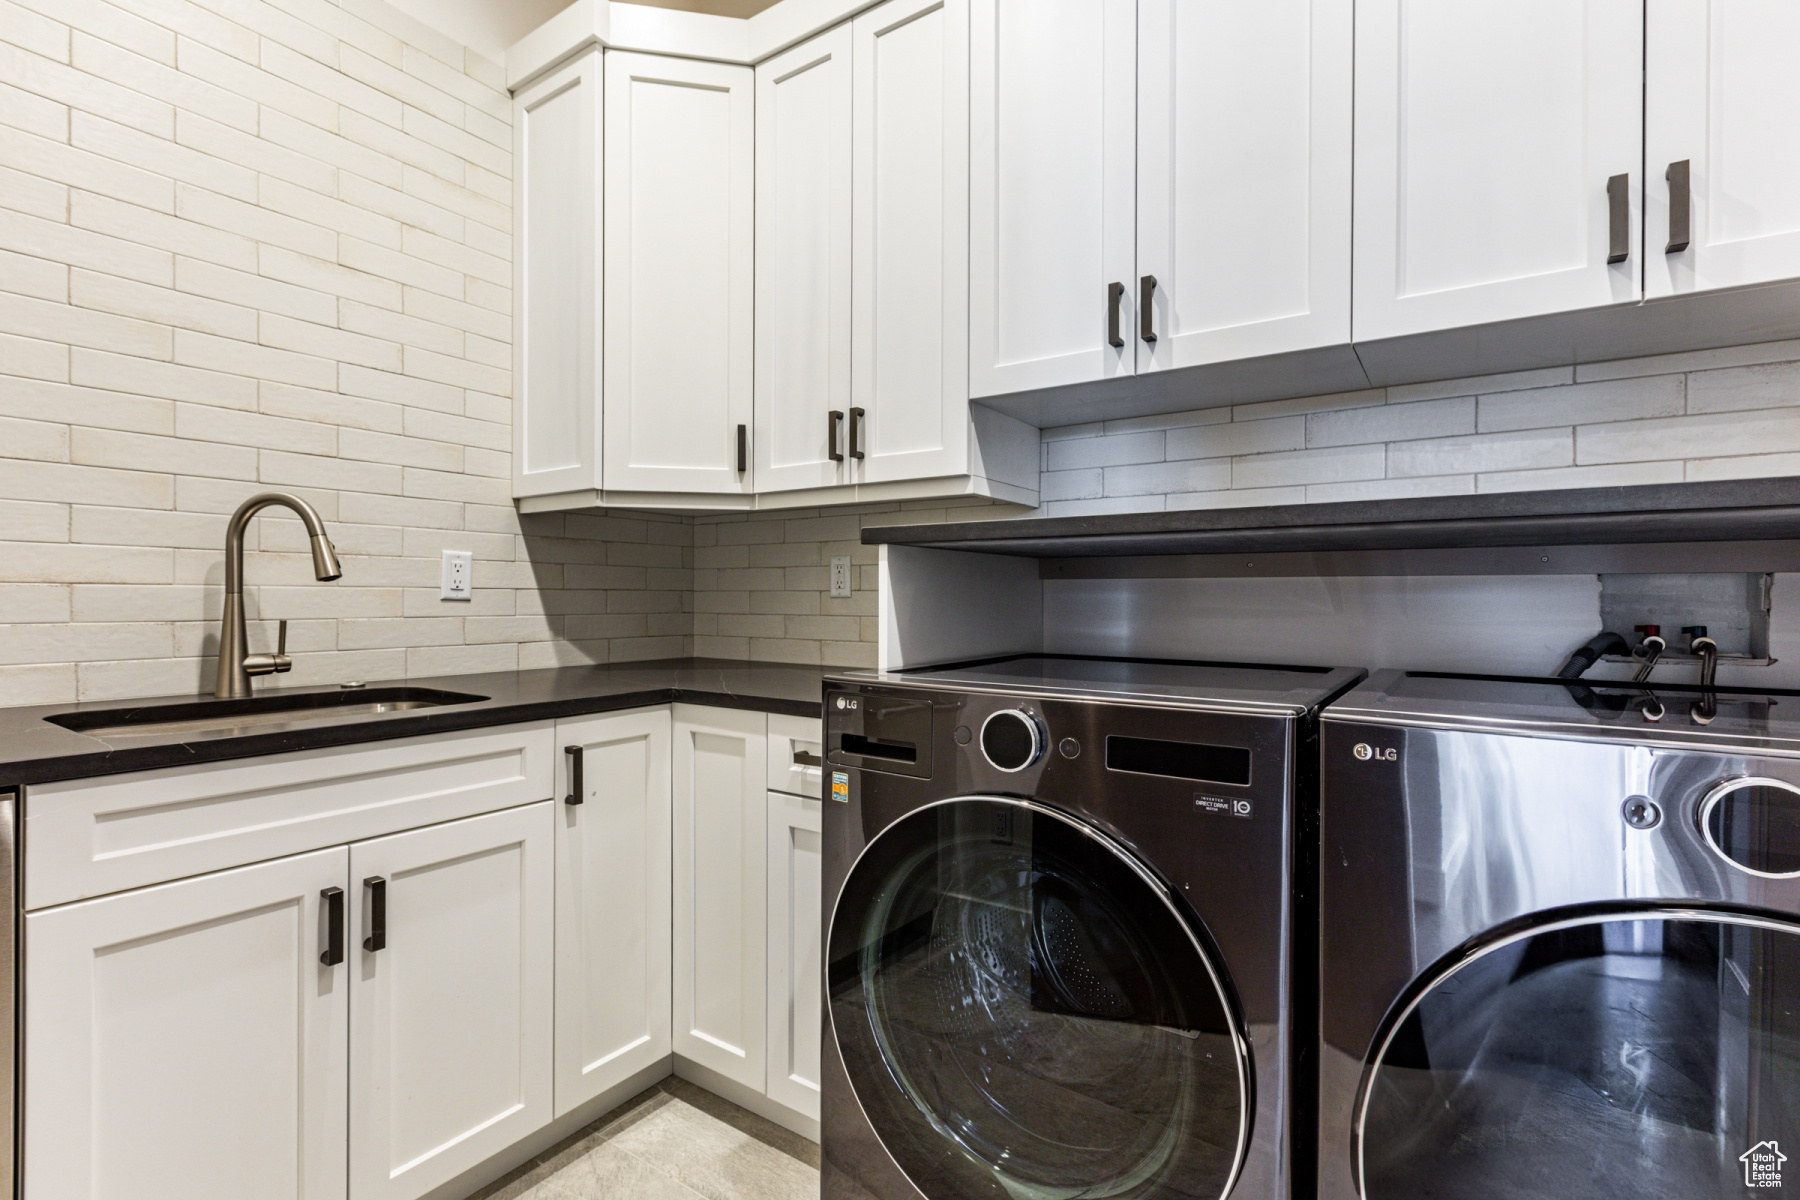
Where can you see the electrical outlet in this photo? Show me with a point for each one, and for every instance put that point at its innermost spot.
(840, 577)
(458, 582)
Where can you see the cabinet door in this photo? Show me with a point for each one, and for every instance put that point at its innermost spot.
(721, 868)
(1722, 92)
(556, 281)
(1243, 177)
(803, 103)
(1052, 183)
(450, 1016)
(612, 902)
(680, 197)
(796, 929)
(909, 358)
(1486, 133)
(185, 1042)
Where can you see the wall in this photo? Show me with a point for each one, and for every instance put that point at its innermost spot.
(245, 246)
(1715, 414)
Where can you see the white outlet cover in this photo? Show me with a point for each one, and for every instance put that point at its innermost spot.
(840, 577)
(458, 581)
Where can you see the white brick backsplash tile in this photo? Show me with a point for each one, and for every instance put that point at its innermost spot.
(1578, 477)
(22, 602)
(395, 84)
(401, 451)
(1392, 422)
(328, 82)
(456, 256)
(198, 422)
(29, 521)
(182, 88)
(103, 20)
(1775, 385)
(144, 452)
(192, 21)
(252, 291)
(83, 643)
(144, 527)
(1190, 475)
(1391, 489)
(34, 32)
(61, 163)
(47, 683)
(1696, 360)
(329, 148)
(309, 404)
(256, 222)
(86, 406)
(30, 562)
(400, 389)
(82, 248)
(400, 146)
(172, 381)
(1301, 405)
(471, 204)
(1244, 498)
(398, 206)
(76, 88)
(327, 277)
(1237, 437)
(127, 298)
(1477, 385)
(1709, 435)
(257, 154)
(1753, 466)
(1521, 450)
(336, 473)
(441, 485)
(1300, 467)
(161, 230)
(27, 480)
(24, 193)
(252, 83)
(33, 359)
(31, 113)
(460, 142)
(1112, 504)
(304, 204)
(29, 317)
(259, 362)
(1106, 451)
(36, 277)
(399, 328)
(399, 268)
(35, 439)
(122, 144)
(174, 602)
(1582, 404)
(1084, 484)
(456, 372)
(323, 341)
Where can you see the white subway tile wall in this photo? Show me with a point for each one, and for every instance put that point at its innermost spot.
(248, 245)
(1715, 414)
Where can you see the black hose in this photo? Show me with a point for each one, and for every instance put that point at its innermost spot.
(1590, 652)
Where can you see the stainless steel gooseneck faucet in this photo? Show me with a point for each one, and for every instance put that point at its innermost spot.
(236, 666)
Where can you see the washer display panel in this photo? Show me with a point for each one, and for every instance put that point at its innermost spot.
(1023, 1013)
(1635, 1056)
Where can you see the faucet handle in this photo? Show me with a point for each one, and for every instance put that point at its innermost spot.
(271, 664)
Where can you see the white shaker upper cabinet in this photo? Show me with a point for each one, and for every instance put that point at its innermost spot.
(556, 281)
(803, 100)
(1052, 184)
(680, 256)
(1243, 168)
(910, 314)
(1498, 160)
(1722, 158)
(612, 901)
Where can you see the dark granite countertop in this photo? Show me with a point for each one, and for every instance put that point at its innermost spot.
(32, 750)
(1729, 510)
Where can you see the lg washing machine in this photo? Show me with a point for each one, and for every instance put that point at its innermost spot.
(1064, 924)
(1561, 941)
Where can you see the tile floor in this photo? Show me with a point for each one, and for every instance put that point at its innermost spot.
(674, 1141)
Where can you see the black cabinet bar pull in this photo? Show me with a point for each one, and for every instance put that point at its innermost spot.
(1681, 203)
(377, 889)
(743, 448)
(1146, 316)
(333, 954)
(576, 793)
(1115, 299)
(806, 758)
(833, 421)
(856, 420)
(1618, 204)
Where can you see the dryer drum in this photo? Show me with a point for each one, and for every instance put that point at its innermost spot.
(1024, 1013)
(1644, 1052)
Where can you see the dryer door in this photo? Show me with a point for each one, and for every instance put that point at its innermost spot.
(1646, 1052)
(1023, 1012)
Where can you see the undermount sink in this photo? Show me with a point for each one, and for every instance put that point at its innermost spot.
(272, 713)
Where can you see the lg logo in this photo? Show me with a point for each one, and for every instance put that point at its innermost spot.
(1365, 752)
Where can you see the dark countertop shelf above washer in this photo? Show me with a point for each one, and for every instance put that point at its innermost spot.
(32, 750)
(1728, 510)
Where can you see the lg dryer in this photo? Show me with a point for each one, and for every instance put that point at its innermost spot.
(1561, 935)
(1062, 927)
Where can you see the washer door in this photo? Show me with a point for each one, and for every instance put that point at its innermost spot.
(1644, 1053)
(1024, 1013)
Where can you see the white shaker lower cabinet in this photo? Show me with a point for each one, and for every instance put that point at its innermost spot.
(1722, 164)
(796, 932)
(720, 877)
(1499, 153)
(612, 901)
(451, 998)
(680, 262)
(185, 1042)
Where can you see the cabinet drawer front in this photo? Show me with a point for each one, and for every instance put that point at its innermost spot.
(796, 751)
(91, 837)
